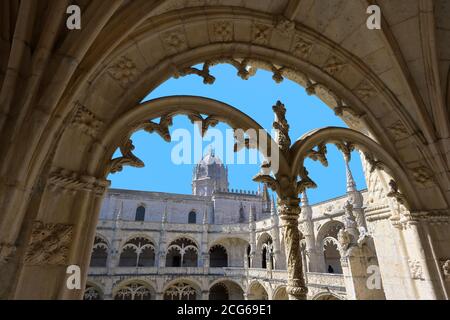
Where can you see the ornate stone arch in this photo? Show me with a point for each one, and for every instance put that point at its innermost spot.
(137, 235)
(134, 289)
(254, 291)
(138, 251)
(100, 251)
(183, 286)
(280, 293)
(93, 291)
(182, 252)
(326, 296)
(332, 226)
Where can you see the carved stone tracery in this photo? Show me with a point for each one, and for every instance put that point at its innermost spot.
(127, 158)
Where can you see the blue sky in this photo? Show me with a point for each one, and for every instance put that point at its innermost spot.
(254, 97)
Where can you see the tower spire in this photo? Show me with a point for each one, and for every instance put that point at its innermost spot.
(305, 200)
(273, 210)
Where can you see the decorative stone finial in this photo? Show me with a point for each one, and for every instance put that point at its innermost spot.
(281, 126)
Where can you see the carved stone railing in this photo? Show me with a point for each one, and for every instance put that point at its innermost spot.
(326, 280)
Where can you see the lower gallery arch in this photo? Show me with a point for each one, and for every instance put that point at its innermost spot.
(93, 292)
(225, 289)
(256, 291)
(134, 290)
(326, 296)
(280, 293)
(182, 289)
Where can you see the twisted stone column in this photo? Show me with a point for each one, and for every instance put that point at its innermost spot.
(289, 211)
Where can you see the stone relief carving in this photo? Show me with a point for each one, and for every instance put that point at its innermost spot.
(261, 34)
(446, 268)
(285, 27)
(422, 175)
(49, 244)
(124, 71)
(7, 251)
(301, 48)
(86, 121)
(399, 130)
(222, 31)
(334, 65)
(395, 193)
(73, 182)
(175, 41)
(365, 91)
(415, 269)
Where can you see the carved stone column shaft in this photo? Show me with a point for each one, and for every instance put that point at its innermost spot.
(289, 212)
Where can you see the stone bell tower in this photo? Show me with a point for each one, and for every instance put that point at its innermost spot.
(209, 175)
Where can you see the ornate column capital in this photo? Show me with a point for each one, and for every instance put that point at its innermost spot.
(288, 209)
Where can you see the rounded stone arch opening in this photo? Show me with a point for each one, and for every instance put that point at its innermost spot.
(141, 211)
(280, 293)
(134, 289)
(327, 242)
(326, 296)
(236, 246)
(182, 289)
(264, 251)
(234, 289)
(100, 251)
(138, 251)
(183, 251)
(257, 291)
(218, 256)
(93, 291)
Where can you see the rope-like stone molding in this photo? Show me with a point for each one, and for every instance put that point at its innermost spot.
(72, 181)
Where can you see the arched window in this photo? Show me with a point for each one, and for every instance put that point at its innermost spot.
(332, 256)
(192, 217)
(218, 257)
(328, 235)
(241, 214)
(140, 214)
(99, 254)
(267, 252)
(137, 252)
(182, 253)
(249, 258)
